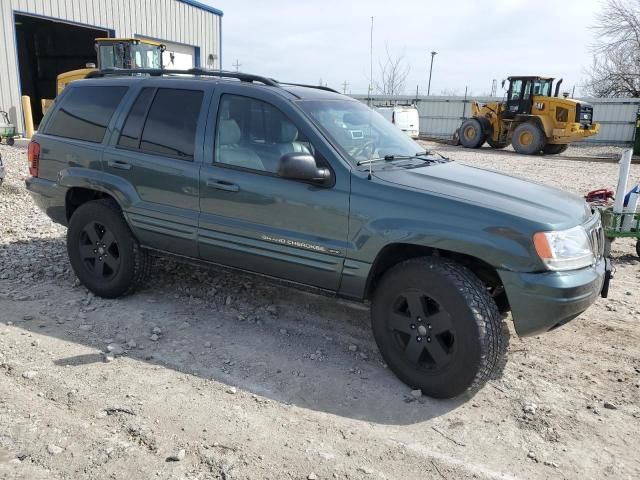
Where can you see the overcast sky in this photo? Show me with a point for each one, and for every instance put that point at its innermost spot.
(477, 41)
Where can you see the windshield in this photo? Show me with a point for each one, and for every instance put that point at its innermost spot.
(542, 87)
(361, 133)
(126, 55)
(146, 56)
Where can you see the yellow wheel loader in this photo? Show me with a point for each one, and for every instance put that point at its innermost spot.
(531, 118)
(130, 53)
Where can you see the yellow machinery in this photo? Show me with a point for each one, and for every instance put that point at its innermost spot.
(531, 118)
(130, 53)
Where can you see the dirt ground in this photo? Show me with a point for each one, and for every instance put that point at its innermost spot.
(206, 374)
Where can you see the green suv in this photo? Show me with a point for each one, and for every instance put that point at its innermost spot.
(309, 186)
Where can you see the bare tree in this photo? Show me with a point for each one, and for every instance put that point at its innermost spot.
(393, 74)
(615, 71)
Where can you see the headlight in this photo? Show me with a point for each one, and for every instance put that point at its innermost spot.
(564, 249)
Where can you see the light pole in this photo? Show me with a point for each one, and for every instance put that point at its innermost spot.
(433, 54)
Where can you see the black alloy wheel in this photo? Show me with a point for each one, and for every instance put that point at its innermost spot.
(99, 251)
(104, 253)
(422, 330)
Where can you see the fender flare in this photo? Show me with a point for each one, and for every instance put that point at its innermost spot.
(118, 188)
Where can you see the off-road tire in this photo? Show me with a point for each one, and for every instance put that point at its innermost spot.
(471, 133)
(638, 248)
(477, 350)
(554, 149)
(10, 141)
(497, 145)
(134, 261)
(528, 139)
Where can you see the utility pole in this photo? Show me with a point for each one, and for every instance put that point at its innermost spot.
(237, 65)
(494, 87)
(433, 54)
(344, 87)
(370, 63)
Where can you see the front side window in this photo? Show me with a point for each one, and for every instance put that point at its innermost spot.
(85, 112)
(253, 134)
(170, 126)
(360, 132)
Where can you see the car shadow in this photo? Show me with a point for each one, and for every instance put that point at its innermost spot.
(287, 345)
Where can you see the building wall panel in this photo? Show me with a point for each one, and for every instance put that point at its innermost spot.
(169, 20)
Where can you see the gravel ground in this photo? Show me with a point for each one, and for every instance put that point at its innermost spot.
(206, 374)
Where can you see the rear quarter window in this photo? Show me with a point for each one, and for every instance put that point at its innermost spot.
(85, 112)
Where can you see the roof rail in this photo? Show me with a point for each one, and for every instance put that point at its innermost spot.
(243, 77)
(319, 87)
(156, 72)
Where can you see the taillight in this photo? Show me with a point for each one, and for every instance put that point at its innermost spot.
(33, 156)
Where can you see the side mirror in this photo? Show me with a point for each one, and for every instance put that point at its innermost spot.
(302, 166)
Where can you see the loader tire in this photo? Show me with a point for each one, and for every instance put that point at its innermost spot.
(471, 133)
(528, 139)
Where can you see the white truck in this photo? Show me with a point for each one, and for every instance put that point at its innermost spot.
(405, 117)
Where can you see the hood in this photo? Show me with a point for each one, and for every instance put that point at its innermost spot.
(494, 190)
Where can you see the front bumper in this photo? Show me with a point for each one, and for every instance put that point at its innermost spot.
(573, 133)
(543, 301)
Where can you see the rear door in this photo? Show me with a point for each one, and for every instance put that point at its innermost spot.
(255, 220)
(158, 150)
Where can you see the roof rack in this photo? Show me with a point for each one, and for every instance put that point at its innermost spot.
(156, 72)
(243, 77)
(319, 87)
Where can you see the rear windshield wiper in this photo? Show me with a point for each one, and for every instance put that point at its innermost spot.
(391, 158)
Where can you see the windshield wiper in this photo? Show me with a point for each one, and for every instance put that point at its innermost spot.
(391, 158)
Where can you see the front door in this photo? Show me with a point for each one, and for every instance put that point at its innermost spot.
(158, 153)
(520, 99)
(250, 217)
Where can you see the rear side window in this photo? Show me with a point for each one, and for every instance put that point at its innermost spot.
(85, 113)
(130, 136)
(170, 126)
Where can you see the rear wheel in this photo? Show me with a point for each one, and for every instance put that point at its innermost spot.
(103, 252)
(437, 327)
(471, 134)
(528, 139)
(554, 149)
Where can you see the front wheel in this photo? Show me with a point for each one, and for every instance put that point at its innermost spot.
(437, 327)
(103, 252)
(528, 139)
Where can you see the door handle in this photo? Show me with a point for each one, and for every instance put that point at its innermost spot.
(119, 164)
(222, 185)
